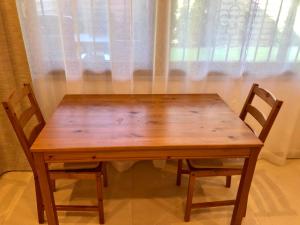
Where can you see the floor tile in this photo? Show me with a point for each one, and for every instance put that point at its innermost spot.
(144, 195)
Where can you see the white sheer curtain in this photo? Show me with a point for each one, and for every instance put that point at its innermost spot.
(234, 37)
(225, 45)
(170, 46)
(87, 46)
(91, 41)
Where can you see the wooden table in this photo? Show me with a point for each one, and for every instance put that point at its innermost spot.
(91, 128)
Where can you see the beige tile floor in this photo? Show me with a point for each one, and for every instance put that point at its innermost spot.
(145, 195)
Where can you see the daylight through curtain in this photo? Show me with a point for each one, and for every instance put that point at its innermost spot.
(170, 46)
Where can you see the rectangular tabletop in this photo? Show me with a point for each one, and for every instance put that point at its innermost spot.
(118, 122)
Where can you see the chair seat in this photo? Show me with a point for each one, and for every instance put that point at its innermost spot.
(195, 164)
(73, 166)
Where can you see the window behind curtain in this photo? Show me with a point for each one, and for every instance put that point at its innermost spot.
(234, 31)
(91, 36)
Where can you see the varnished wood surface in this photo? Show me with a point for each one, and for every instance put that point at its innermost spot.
(87, 128)
(218, 167)
(43, 184)
(118, 122)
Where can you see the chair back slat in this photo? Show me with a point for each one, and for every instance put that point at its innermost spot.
(34, 103)
(266, 122)
(265, 95)
(34, 133)
(259, 116)
(26, 116)
(271, 118)
(19, 123)
(248, 101)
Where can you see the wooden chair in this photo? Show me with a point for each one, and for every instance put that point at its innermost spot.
(56, 171)
(228, 167)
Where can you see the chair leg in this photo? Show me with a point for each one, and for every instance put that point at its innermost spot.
(105, 179)
(100, 197)
(245, 210)
(39, 201)
(53, 186)
(228, 181)
(189, 199)
(179, 171)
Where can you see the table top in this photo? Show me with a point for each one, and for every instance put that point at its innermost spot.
(157, 121)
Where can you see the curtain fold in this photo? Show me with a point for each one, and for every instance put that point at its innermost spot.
(224, 46)
(14, 71)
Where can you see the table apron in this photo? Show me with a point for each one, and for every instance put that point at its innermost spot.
(96, 156)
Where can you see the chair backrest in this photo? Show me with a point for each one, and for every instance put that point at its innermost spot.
(20, 122)
(266, 122)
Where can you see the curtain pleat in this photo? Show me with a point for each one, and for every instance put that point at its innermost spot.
(14, 71)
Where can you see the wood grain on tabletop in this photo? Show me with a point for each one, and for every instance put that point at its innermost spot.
(143, 121)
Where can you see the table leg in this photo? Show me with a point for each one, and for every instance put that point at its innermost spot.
(45, 186)
(39, 200)
(244, 187)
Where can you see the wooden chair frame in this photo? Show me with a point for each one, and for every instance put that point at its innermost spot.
(18, 123)
(265, 122)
